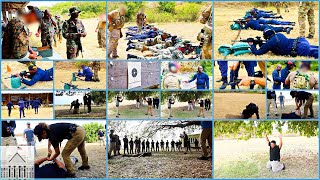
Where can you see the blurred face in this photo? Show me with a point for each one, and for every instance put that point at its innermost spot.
(28, 125)
(291, 67)
(74, 15)
(122, 11)
(46, 14)
(272, 145)
(200, 69)
(279, 67)
(30, 18)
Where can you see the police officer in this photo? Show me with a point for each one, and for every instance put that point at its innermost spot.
(223, 67)
(306, 98)
(36, 105)
(249, 65)
(36, 74)
(255, 25)
(86, 72)
(205, 36)
(141, 20)
(303, 78)
(281, 45)
(306, 9)
(10, 106)
(47, 29)
(276, 77)
(56, 133)
(202, 79)
(116, 21)
(285, 72)
(172, 80)
(72, 31)
(21, 105)
(15, 43)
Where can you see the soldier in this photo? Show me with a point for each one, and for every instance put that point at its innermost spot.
(118, 144)
(72, 31)
(205, 36)
(58, 31)
(137, 144)
(172, 80)
(141, 20)
(116, 21)
(101, 30)
(15, 43)
(286, 6)
(306, 9)
(112, 147)
(46, 29)
(96, 68)
(303, 78)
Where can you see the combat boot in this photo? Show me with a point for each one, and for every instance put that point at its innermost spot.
(131, 56)
(130, 46)
(288, 29)
(219, 80)
(225, 83)
(292, 23)
(310, 36)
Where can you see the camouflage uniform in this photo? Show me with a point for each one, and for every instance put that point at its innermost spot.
(102, 34)
(117, 22)
(47, 32)
(15, 44)
(306, 9)
(70, 30)
(206, 18)
(58, 30)
(286, 6)
(140, 21)
(171, 81)
(96, 69)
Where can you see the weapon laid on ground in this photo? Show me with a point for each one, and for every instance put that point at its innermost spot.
(257, 40)
(68, 86)
(239, 21)
(22, 74)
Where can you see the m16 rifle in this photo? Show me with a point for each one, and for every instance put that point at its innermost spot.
(256, 41)
(239, 21)
(22, 74)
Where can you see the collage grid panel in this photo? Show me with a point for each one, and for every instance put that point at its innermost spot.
(221, 121)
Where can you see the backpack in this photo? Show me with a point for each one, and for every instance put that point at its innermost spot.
(300, 81)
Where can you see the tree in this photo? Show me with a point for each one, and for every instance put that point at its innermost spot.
(98, 97)
(132, 95)
(247, 129)
(185, 96)
(92, 131)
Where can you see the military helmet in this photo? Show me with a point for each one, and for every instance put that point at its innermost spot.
(74, 10)
(268, 33)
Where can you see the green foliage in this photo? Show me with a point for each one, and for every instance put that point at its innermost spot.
(132, 9)
(79, 63)
(131, 95)
(207, 67)
(247, 129)
(271, 65)
(188, 12)
(166, 6)
(315, 95)
(88, 9)
(184, 96)
(98, 97)
(92, 131)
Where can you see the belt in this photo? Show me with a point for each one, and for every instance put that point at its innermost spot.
(294, 49)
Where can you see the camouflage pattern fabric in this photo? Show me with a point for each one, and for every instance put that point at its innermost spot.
(47, 32)
(206, 18)
(306, 9)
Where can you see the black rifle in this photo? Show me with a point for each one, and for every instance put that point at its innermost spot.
(256, 41)
(239, 21)
(236, 81)
(22, 74)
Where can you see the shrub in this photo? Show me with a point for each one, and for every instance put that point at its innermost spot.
(92, 131)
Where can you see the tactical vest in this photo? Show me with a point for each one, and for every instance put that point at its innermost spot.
(140, 18)
(301, 81)
(117, 21)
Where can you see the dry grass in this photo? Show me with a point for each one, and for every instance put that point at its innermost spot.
(44, 113)
(17, 67)
(89, 43)
(230, 11)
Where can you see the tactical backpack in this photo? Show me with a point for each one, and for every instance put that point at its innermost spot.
(301, 81)
(235, 26)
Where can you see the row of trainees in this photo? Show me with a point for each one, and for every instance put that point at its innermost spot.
(25, 104)
(137, 146)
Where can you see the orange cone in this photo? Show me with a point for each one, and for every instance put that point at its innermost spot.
(8, 68)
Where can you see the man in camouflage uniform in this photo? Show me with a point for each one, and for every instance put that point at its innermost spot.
(101, 30)
(96, 69)
(306, 9)
(72, 31)
(172, 80)
(58, 29)
(141, 20)
(15, 44)
(47, 29)
(279, 4)
(116, 21)
(205, 36)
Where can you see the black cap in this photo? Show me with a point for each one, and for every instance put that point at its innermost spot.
(273, 141)
(38, 132)
(292, 93)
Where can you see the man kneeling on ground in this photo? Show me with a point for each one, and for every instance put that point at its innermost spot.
(274, 163)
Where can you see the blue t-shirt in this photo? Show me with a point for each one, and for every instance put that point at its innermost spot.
(51, 170)
(29, 134)
(101, 134)
(206, 124)
(281, 98)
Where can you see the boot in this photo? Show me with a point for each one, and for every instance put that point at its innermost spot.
(310, 36)
(131, 56)
(130, 46)
(292, 23)
(288, 29)
(129, 42)
(219, 80)
(225, 83)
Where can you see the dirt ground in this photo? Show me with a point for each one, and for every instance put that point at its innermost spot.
(160, 165)
(228, 11)
(97, 160)
(180, 110)
(242, 73)
(289, 109)
(97, 112)
(249, 158)
(63, 73)
(44, 113)
(230, 105)
(189, 31)
(17, 67)
(129, 110)
(89, 43)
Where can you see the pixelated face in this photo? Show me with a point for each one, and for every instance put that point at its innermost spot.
(273, 145)
(31, 18)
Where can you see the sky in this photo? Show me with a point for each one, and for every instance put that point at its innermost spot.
(43, 3)
(287, 95)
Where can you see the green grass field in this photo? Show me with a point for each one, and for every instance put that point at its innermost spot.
(62, 112)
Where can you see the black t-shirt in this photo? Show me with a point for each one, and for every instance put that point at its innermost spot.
(274, 153)
(5, 125)
(302, 95)
(59, 132)
(131, 143)
(50, 170)
(149, 102)
(125, 141)
(201, 103)
(271, 95)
